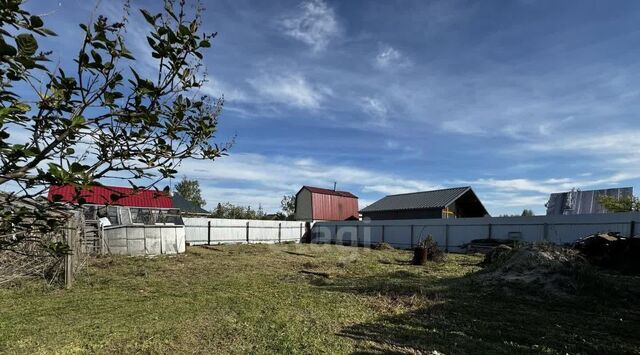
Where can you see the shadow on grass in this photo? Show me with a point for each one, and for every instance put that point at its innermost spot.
(298, 254)
(463, 316)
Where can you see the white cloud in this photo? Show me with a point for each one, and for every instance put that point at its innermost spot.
(389, 57)
(290, 89)
(376, 108)
(267, 179)
(216, 88)
(546, 186)
(620, 143)
(315, 24)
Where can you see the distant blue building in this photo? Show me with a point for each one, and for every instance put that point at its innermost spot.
(583, 202)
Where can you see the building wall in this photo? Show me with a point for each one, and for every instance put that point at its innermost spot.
(468, 206)
(403, 214)
(303, 206)
(454, 233)
(333, 208)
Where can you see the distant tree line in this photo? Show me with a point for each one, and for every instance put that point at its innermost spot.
(189, 189)
(229, 210)
(525, 213)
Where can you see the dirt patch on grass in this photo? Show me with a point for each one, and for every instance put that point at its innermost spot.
(552, 269)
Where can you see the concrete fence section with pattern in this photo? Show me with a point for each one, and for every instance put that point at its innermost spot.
(453, 234)
(221, 231)
(136, 240)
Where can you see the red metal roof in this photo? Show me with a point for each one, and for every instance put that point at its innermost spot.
(318, 190)
(102, 195)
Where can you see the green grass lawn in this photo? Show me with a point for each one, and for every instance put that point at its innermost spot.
(255, 299)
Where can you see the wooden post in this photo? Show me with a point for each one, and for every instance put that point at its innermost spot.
(68, 259)
(103, 242)
(358, 235)
(336, 233)
(247, 232)
(632, 229)
(280, 232)
(545, 231)
(383, 233)
(208, 232)
(490, 230)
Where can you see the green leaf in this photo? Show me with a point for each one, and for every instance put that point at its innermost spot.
(23, 107)
(184, 30)
(36, 21)
(96, 57)
(77, 121)
(152, 43)
(169, 10)
(46, 31)
(27, 44)
(147, 16)
(77, 168)
(7, 49)
(205, 44)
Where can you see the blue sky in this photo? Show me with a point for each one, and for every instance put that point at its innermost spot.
(517, 99)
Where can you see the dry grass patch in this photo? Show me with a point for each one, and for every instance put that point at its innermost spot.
(256, 299)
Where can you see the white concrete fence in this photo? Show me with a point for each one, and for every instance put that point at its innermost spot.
(453, 234)
(144, 239)
(222, 231)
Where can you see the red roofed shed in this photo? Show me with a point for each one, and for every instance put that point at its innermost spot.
(101, 195)
(317, 204)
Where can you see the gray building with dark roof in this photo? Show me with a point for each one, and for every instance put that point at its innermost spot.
(186, 206)
(583, 201)
(457, 202)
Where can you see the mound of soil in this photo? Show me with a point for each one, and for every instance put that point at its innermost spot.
(611, 250)
(382, 246)
(552, 269)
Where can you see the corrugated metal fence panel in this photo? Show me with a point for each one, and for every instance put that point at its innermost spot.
(454, 233)
(235, 231)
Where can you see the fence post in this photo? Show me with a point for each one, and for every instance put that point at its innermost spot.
(247, 232)
(68, 259)
(383, 233)
(490, 230)
(545, 232)
(335, 239)
(632, 229)
(446, 238)
(208, 232)
(300, 231)
(358, 235)
(307, 232)
(103, 242)
(412, 236)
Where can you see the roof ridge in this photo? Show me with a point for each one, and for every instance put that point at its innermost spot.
(322, 190)
(419, 192)
(328, 190)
